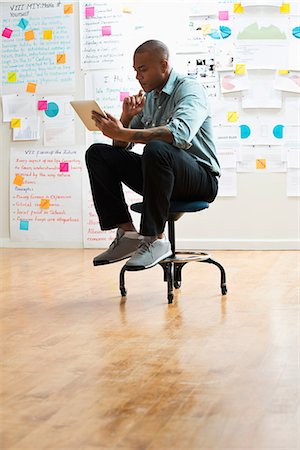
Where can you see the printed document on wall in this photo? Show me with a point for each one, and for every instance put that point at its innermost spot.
(45, 194)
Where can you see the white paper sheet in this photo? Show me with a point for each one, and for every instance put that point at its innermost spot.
(293, 183)
(288, 82)
(29, 130)
(231, 82)
(45, 194)
(228, 183)
(261, 92)
(62, 132)
(18, 106)
(261, 159)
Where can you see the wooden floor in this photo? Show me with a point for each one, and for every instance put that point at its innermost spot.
(83, 370)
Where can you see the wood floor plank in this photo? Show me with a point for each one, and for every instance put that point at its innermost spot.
(83, 369)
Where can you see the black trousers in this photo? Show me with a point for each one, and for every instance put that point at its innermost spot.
(163, 172)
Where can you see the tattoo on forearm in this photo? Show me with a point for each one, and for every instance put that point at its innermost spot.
(150, 135)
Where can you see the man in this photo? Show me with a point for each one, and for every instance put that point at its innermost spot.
(179, 161)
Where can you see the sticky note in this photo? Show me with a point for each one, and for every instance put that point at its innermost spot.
(31, 87)
(68, 9)
(106, 30)
(89, 11)
(123, 95)
(283, 72)
(7, 32)
(223, 15)
(24, 225)
(15, 123)
(47, 35)
(18, 180)
(12, 77)
(240, 69)
(61, 58)
(285, 8)
(45, 203)
(238, 8)
(29, 35)
(232, 116)
(64, 167)
(42, 105)
(205, 28)
(23, 23)
(126, 10)
(261, 164)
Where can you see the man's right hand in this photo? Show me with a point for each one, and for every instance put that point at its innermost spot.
(133, 105)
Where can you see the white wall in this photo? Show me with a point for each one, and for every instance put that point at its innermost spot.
(260, 217)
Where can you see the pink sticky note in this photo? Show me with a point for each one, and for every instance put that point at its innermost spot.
(89, 11)
(123, 95)
(223, 15)
(42, 105)
(7, 32)
(64, 167)
(106, 31)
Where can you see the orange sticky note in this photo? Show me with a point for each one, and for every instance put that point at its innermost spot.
(261, 164)
(240, 69)
(68, 9)
(238, 8)
(45, 203)
(18, 180)
(61, 58)
(31, 87)
(232, 116)
(15, 123)
(47, 35)
(29, 35)
(285, 8)
(12, 77)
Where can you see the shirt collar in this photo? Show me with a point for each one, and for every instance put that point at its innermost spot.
(169, 86)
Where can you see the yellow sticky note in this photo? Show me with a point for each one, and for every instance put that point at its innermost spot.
(238, 8)
(61, 59)
(285, 8)
(12, 77)
(18, 180)
(205, 28)
(45, 203)
(29, 35)
(15, 123)
(240, 69)
(68, 9)
(283, 72)
(127, 10)
(31, 87)
(47, 34)
(232, 116)
(261, 164)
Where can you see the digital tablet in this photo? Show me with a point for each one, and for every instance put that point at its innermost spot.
(84, 110)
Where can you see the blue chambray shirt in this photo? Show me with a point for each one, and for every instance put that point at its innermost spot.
(182, 106)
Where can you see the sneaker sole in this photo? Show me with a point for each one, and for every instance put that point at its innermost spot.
(129, 267)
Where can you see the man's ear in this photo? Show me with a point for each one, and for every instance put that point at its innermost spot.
(164, 65)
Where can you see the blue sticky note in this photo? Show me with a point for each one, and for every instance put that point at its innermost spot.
(23, 24)
(24, 225)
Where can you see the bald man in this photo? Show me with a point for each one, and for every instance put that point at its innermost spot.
(171, 116)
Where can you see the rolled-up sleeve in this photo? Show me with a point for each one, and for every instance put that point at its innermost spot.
(189, 113)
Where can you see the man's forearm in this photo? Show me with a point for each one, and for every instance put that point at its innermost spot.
(144, 136)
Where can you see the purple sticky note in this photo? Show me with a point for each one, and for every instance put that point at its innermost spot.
(42, 105)
(223, 15)
(7, 32)
(89, 11)
(123, 95)
(106, 30)
(64, 167)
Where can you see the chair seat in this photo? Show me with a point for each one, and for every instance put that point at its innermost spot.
(177, 206)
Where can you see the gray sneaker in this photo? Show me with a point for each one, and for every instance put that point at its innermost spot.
(121, 247)
(149, 253)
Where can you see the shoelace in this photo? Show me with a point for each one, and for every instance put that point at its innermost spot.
(144, 247)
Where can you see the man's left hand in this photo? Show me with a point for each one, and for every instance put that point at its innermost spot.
(110, 126)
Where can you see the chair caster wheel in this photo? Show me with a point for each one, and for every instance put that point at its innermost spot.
(170, 298)
(123, 292)
(177, 284)
(224, 290)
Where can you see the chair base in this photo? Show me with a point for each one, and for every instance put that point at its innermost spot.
(172, 267)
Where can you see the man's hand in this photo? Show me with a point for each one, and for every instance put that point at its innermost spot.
(110, 126)
(133, 105)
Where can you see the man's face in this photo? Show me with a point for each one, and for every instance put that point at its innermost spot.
(150, 71)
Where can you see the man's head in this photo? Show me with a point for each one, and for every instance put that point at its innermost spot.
(151, 63)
